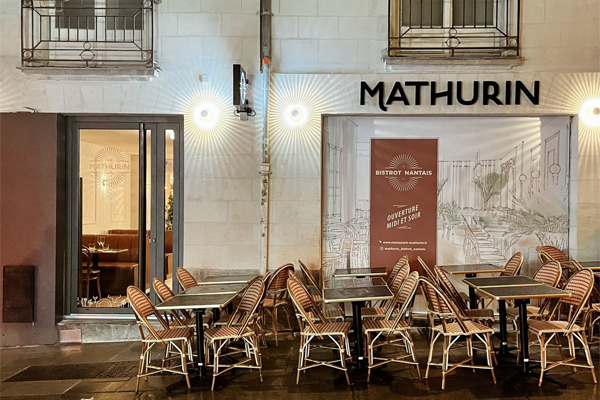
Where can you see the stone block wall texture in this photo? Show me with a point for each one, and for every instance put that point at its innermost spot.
(321, 49)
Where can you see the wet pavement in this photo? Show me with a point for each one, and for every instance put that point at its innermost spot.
(279, 372)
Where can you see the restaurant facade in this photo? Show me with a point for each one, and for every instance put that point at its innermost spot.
(358, 143)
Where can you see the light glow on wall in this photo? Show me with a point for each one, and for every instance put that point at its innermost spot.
(590, 113)
(206, 115)
(296, 115)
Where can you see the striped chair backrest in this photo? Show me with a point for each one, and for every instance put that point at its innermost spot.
(551, 253)
(513, 266)
(428, 272)
(280, 276)
(580, 286)
(449, 288)
(403, 260)
(162, 290)
(399, 278)
(303, 302)
(405, 295)
(439, 302)
(249, 304)
(143, 308)
(549, 273)
(186, 280)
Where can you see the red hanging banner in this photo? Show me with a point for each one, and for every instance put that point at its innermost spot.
(403, 201)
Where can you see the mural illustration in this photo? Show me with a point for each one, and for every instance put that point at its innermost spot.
(508, 195)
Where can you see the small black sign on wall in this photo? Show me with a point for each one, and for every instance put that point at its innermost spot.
(18, 293)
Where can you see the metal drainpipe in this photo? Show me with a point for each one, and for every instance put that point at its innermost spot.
(265, 166)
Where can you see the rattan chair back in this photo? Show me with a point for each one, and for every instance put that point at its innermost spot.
(279, 278)
(162, 290)
(399, 278)
(310, 280)
(449, 288)
(143, 308)
(247, 307)
(580, 286)
(551, 253)
(186, 280)
(403, 260)
(303, 302)
(426, 269)
(404, 297)
(549, 273)
(513, 266)
(438, 302)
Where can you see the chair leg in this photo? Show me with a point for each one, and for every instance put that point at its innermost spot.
(184, 363)
(98, 286)
(445, 362)
(140, 367)
(542, 341)
(216, 349)
(343, 359)
(275, 327)
(490, 351)
(431, 344)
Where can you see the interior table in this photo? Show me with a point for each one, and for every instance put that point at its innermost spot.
(471, 271)
(521, 296)
(359, 272)
(356, 291)
(500, 281)
(225, 280)
(95, 252)
(198, 303)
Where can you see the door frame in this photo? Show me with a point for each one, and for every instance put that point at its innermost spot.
(72, 232)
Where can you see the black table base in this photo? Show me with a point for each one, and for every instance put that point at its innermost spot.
(358, 342)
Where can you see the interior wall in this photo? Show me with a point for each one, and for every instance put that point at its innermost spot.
(28, 214)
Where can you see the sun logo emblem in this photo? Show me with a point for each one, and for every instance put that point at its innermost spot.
(400, 180)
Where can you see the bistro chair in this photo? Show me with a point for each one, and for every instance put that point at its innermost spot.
(580, 286)
(552, 253)
(427, 271)
(277, 298)
(335, 312)
(549, 274)
(178, 317)
(87, 274)
(336, 332)
(186, 280)
(453, 328)
(395, 285)
(220, 339)
(176, 340)
(393, 330)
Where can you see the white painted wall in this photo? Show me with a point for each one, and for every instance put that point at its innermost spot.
(342, 40)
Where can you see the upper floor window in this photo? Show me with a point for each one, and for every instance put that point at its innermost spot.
(454, 28)
(87, 33)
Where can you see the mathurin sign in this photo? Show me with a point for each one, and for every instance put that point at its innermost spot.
(416, 93)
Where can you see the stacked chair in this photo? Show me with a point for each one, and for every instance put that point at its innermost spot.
(388, 306)
(276, 298)
(552, 253)
(453, 328)
(333, 313)
(393, 330)
(176, 340)
(322, 328)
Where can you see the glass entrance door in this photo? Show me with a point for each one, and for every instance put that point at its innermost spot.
(127, 183)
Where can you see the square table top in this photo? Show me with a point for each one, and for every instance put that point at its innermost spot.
(356, 272)
(467, 269)
(501, 281)
(353, 282)
(226, 279)
(522, 292)
(357, 293)
(230, 288)
(187, 302)
(593, 265)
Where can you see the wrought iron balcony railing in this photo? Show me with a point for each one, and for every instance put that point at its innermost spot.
(451, 28)
(87, 33)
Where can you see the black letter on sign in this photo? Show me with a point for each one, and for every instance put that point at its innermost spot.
(447, 94)
(418, 85)
(378, 89)
(534, 98)
(402, 97)
(459, 94)
(487, 96)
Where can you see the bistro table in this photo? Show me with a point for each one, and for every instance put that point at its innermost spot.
(95, 252)
(471, 271)
(521, 296)
(500, 281)
(593, 265)
(356, 291)
(198, 303)
(359, 272)
(231, 288)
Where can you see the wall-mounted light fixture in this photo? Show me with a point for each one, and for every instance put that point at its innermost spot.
(206, 115)
(590, 112)
(296, 115)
